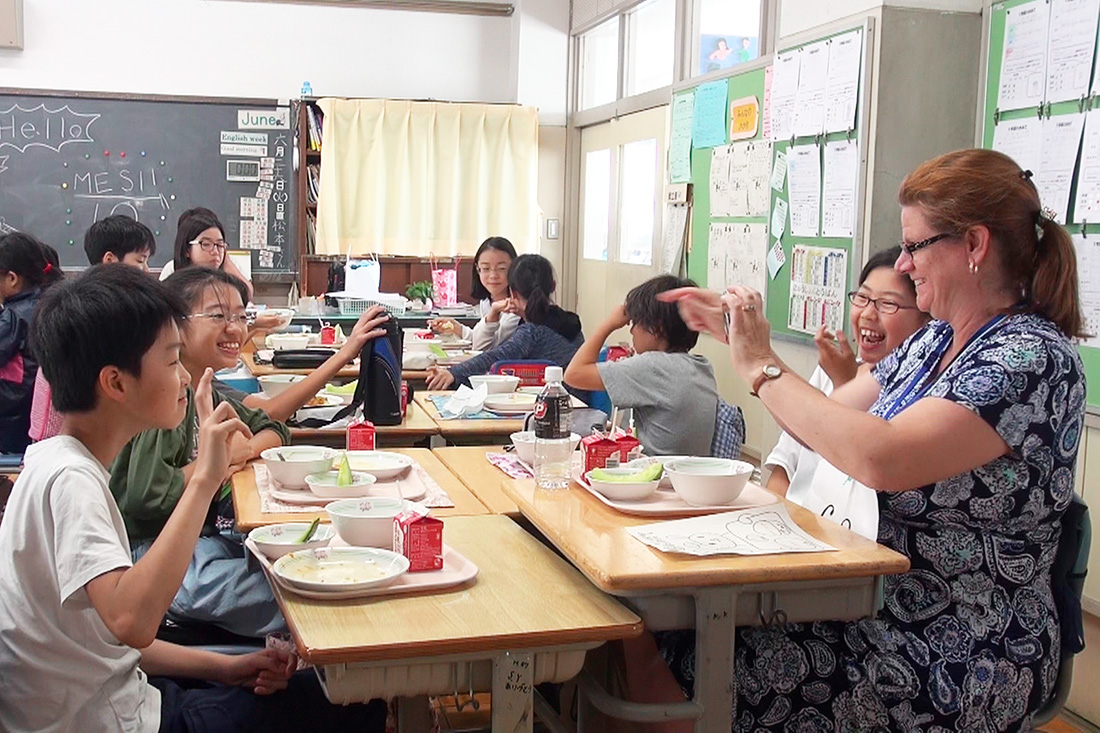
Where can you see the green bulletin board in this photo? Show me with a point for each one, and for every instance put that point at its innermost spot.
(991, 116)
(752, 83)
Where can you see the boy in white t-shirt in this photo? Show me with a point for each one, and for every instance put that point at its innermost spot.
(77, 616)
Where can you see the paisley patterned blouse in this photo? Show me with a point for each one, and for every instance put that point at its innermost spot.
(969, 637)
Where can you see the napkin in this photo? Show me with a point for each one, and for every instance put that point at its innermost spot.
(465, 401)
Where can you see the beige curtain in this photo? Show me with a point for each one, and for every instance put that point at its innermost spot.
(415, 178)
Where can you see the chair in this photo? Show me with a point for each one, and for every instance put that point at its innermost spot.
(1068, 578)
(531, 372)
(729, 431)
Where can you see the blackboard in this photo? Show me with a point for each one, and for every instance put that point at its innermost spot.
(69, 159)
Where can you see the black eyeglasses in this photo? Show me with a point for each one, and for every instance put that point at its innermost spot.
(912, 248)
(883, 306)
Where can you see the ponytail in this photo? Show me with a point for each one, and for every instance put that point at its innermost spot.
(538, 307)
(35, 263)
(1053, 288)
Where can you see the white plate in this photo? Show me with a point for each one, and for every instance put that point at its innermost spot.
(666, 502)
(380, 464)
(513, 403)
(340, 568)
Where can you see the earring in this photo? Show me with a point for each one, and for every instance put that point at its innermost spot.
(973, 268)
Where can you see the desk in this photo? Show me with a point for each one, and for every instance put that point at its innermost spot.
(471, 467)
(246, 497)
(467, 431)
(495, 633)
(351, 371)
(713, 594)
(416, 427)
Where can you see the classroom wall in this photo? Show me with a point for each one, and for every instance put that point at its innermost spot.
(796, 16)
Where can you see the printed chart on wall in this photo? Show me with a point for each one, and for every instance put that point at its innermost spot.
(814, 183)
(68, 161)
(1042, 108)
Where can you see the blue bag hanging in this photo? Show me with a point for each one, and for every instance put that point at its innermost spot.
(379, 388)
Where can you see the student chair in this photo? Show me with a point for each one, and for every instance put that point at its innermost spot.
(531, 372)
(1068, 578)
(729, 431)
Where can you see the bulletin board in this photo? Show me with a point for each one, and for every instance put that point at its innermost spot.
(1049, 85)
(777, 290)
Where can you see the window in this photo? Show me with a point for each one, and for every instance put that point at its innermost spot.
(636, 202)
(727, 33)
(597, 203)
(600, 65)
(651, 46)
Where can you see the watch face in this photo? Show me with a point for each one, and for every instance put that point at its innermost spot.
(771, 371)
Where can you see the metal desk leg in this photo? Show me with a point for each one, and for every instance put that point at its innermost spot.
(413, 714)
(715, 612)
(513, 691)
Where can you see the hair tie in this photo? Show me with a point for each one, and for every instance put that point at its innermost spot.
(1045, 215)
(1026, 175)
(47, 269)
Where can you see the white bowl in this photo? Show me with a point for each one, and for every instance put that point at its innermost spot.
(276, 540)
(368, 522)
(296, 463)
(275, 384)
(380, 464)
(708, 481)
(525, 445)
(283, 341)
(323, 484)
(340, 568)
(495, 383)
(622, 491)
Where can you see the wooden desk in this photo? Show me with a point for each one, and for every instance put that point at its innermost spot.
(528, 617)
(711, 594)
(246, 497)
(416, 427)
(471, 467)
(351, 371)
(467, 430)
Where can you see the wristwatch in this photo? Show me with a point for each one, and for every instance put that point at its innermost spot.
(769, 371)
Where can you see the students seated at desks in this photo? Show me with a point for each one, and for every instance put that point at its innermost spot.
(498, 319)
(117, 238)
(884, 313)
(216, 329)
(149, 475)
(545, 332)
(672, 392)
(78, 617)
(27, 268)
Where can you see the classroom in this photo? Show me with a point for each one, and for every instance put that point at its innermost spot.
(549, 365)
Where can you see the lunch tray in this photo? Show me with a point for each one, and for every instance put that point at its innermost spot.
(457, 569)
(667, 503)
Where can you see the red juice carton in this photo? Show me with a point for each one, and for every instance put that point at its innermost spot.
(404, 399)
(419, 537)
(328, 335)
(598, 447)
(361, 435)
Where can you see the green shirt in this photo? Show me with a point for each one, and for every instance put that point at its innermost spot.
(147, 476)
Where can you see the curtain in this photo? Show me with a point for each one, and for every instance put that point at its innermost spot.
(419, 178)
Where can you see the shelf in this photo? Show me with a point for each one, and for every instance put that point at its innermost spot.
(313, 154)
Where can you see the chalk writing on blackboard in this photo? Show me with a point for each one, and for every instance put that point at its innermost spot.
(22, 128)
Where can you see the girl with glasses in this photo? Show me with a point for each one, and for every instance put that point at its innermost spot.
(498, 314)
(200, 240)
(969, 433)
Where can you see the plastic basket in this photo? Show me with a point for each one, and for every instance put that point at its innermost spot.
(530, 373)
(357, 306)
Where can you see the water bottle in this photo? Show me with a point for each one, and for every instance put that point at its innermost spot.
(307, 90)
(553, 426)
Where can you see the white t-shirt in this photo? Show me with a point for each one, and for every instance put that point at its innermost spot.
(62, 668)
(167, 270)
(485, 335)
(799, 462)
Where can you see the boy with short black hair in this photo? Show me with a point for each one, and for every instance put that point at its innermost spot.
(118, 238)
(672, 392)
(77, 616)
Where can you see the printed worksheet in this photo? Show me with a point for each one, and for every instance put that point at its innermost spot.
(724, 200)
(1061, 141)
(804, 185)
(716, 257)
(679, 143)
(842, 87)
(746, 255)
(1021, 140)
(672, 244)
(784, 93)
(1070, 48)
(1087, 205)
(809, 113)
(1088, 276)
(1024, 56)
(819, 282)
(838, 196)
(767, 530)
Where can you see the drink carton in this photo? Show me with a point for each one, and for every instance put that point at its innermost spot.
(599, 446)
(360, 435)
(419, 537)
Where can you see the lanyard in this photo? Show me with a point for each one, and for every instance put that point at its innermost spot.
(916, 387)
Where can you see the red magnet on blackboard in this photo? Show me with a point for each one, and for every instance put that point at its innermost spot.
(122, 154)
(106, 152)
